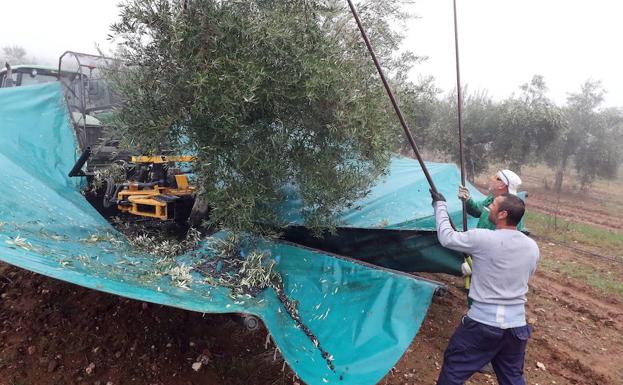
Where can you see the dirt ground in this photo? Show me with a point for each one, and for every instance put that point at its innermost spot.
(597, 206)
(56, 333)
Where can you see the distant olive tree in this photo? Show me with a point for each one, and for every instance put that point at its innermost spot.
(418, 101)
(13, 54)
(591, 139)
(528, 124)
(601, 153)
(267, 93)
(516, 131)
(480, 122)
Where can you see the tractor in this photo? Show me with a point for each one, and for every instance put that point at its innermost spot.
(155, 187)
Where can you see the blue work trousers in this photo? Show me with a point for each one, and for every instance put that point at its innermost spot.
(475, 344)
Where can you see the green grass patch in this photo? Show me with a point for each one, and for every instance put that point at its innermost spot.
(608, 241)
(608, 283)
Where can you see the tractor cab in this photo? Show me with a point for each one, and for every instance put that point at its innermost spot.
(29, 74)
(26, 75)
(90, 98)
(87, 93)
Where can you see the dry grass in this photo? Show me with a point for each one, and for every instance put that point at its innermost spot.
(544, 177)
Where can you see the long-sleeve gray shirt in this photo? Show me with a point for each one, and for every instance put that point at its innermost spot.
(503, 260)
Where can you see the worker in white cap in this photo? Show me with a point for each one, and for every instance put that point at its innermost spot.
(502, 182)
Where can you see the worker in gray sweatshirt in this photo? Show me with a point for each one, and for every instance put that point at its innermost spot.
(494, 329)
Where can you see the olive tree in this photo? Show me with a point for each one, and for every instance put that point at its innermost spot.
(600, 154)
(480, 122)
(591, 137)
(529, 124)
(13, 54)
(266, 93)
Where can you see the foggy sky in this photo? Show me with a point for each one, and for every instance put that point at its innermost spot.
(502, 42)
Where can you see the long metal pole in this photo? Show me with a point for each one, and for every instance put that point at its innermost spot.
(459, 104)
(403, 123)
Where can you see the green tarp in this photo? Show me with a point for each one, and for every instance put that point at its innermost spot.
(393, 226)
(364, 317)
(399, 201)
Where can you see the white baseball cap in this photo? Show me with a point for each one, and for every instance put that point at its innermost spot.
(510, 179)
